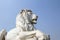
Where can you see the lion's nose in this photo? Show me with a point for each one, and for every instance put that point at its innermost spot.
(36, 16)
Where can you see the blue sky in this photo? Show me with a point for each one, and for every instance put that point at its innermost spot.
(47, 10)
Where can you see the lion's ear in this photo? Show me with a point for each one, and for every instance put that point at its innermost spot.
(23, 10)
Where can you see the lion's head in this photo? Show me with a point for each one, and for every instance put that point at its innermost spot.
(26, 19)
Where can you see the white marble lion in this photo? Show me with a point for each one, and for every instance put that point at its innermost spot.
(25, 29)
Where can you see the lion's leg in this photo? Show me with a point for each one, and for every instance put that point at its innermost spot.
(26, 35)
(42, 36)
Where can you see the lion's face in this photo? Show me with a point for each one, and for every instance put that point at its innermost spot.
(31, 17)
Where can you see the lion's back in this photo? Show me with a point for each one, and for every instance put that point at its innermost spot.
(12, 34)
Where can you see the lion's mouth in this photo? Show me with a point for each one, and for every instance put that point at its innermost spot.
(34, 21)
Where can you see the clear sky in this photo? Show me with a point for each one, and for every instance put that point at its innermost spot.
(47, 10)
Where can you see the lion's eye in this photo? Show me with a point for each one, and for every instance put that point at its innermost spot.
(29, 13)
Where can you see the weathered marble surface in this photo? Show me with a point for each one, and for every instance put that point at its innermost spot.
(24, 29)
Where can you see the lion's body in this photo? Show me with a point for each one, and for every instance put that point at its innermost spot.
(25, 28)
(23, 24)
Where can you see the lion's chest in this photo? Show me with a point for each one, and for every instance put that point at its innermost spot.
(30, 27)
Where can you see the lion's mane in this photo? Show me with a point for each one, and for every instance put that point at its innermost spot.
(22, 21)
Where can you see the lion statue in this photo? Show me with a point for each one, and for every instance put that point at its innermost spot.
(25, 29)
